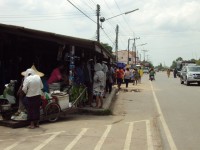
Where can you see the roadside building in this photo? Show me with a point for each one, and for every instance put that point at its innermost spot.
(21, 47)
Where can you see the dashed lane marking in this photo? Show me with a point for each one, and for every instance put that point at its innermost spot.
(128, 136)
(101, 141)
(71, 145)
(14, 145)
(47, 141)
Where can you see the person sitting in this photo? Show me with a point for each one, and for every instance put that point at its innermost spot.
(151, 74)
(58, 74)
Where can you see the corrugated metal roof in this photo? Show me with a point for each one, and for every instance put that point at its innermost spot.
(52, 37)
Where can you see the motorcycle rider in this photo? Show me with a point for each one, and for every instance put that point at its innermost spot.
(152, 73)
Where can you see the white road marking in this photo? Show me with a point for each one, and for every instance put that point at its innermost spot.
(14, 145)
(128, 136)
(6, 140)
(71, 145)
(22, 140)
(149, 136)
(139, 121)
(164, 124)
(47, 141)
(103, 137)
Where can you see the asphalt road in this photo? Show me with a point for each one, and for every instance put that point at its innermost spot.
(133, 126)
(162, 114)
(179, 107)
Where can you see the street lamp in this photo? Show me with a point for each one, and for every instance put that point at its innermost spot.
(142, 44)
(128, 50)
(135, 50)
(144, 51)
(135, 47)
(102, 19)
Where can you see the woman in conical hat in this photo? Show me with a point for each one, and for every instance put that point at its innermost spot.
(32, 70)
(32, 87)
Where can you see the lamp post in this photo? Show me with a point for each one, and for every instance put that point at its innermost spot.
(125, 13)
(144, 51)
(102, 19)
(137, 46)
(128, 50)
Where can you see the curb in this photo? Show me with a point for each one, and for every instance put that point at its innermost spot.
(106, 105)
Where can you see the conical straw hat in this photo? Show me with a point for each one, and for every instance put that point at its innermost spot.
(36, 72)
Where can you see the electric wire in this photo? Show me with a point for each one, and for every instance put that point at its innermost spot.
(81, 11)
(40, 15)
(92, 2)
(123, 16)
(91, 8)
(111, 24)
(89, 18)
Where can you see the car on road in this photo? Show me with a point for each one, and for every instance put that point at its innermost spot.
(146, 70)
(190, 74)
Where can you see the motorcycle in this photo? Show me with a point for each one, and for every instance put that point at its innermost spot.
(152, 77)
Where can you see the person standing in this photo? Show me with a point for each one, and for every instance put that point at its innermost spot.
(98, 85)
(140, 71)
(168, 73)
(105, 70)
(133, 76)
(175, 72)
(32, 86)
(120, 75)
(109, 80)
(127, 76)
(136, 76)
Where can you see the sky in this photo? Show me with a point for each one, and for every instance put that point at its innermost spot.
(171, 28)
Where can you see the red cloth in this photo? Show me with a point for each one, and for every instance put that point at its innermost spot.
(55, 76)
(120, 73)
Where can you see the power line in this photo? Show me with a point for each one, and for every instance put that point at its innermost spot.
(89, 18)
(82, 12)
(92, 2)
(36, 19)
(123, 17)
(88, 5)
(41, 16)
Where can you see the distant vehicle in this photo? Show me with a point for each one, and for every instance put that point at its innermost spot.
(145, 70)
(181, 64)
(190, 74)
(156, 70)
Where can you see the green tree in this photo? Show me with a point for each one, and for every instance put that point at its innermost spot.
(179, 59)
(198, 62)
(174, 64)
(107, 46)
(160, 67)
(194, 60)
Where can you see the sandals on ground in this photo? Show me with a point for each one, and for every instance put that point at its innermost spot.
(31, 127)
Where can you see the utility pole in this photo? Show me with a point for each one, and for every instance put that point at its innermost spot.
(116, 42)
(144, 51)
(98, 26)
(135, 48)
(128, 50)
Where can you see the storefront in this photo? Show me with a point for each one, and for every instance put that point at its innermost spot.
(20, 48)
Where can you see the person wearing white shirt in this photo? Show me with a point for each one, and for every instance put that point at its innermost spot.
(127, 76)
(32, 86)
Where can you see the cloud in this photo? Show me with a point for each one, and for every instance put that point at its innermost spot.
(182, 18)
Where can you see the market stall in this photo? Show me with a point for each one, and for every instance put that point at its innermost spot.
(21, 47)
